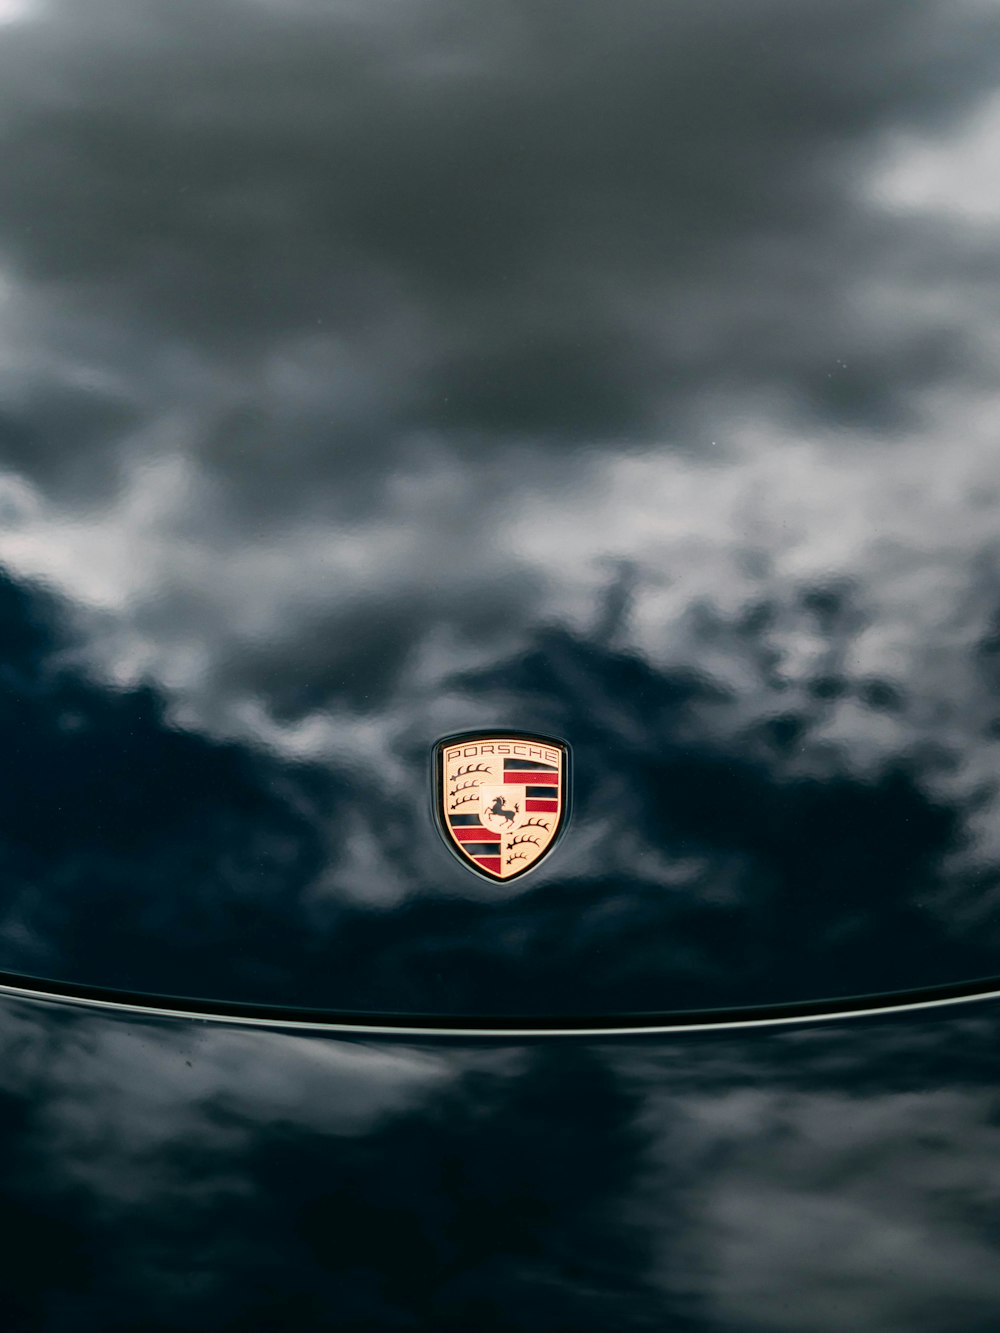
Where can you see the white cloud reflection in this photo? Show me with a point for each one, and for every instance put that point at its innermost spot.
(815, 1180)
(306, 410)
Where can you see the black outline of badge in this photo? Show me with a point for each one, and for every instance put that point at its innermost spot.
(485, 734)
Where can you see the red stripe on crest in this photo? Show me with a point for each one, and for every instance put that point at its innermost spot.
(539, 806)
(532, 777)
(488, 862)
(475, 834)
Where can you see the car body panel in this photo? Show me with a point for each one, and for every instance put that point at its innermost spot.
(164, 1174)
(372, 375)
(622, 374)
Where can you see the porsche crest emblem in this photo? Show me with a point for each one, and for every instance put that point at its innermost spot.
(502, 800)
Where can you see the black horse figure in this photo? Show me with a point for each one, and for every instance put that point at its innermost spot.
(497, 808)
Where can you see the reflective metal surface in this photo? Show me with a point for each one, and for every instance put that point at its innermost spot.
(163, 1176)
(621, 373)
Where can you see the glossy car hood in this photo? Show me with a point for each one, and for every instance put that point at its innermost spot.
(371, 372)
(162, 1176)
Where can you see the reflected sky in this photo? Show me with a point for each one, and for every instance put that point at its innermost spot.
(370, 372)
(162, 1175)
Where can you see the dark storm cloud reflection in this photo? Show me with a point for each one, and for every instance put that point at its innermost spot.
(348, 351)
(139, 855)
(496, 221)
(451, 261)
(164, 1176)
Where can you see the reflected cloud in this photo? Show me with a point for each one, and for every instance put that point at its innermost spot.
(825, 1177)
(626, 380)
(191, 1175)
(755, 865)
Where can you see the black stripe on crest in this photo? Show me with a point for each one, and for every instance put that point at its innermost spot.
(481, 848)
(529, 763)
(463, 821)
(546, 793)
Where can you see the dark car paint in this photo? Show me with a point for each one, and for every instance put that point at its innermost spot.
(377, 372)
(624, 373)
(163, 1176)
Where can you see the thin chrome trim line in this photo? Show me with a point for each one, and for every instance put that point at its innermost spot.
(374, 1028)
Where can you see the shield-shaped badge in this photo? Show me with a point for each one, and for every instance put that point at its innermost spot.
(502, 800)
